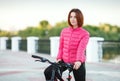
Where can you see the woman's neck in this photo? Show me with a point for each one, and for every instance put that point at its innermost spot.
(75, 27)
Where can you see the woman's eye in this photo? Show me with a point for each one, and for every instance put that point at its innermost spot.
(74, 16)
(70, 16)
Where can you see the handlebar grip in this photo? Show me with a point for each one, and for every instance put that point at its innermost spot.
(41, 59)
(34, 56)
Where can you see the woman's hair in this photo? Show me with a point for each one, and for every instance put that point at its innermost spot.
(79, 17)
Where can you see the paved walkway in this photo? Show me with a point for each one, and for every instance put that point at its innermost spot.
(19, 66)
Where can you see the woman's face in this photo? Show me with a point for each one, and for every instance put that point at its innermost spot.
(73, 19)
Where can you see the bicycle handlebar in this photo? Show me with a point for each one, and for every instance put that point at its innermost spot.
(42, 59)
(56, 66)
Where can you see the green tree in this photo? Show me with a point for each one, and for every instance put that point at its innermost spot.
(61, 24)
(44, 24)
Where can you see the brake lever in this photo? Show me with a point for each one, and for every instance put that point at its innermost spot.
(37, 60)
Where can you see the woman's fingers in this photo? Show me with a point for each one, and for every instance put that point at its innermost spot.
(58, 60)
(77, 65)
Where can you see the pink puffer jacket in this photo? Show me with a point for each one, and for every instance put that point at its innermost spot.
(72, 45)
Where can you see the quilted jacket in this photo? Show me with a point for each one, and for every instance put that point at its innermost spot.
(73, 44)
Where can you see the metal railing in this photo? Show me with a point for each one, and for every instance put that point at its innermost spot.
(110, 49)
(42, 45)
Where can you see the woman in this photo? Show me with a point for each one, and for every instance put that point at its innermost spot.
(73, 42)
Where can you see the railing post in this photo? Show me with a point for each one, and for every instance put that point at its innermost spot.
(3, 43)
(31, 44)
(94, 50)
(54, 45)
(15, 43)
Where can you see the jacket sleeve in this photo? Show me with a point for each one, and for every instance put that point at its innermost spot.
(81, 48)
(60, 50)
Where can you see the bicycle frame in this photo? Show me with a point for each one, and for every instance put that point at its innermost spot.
(56, 67)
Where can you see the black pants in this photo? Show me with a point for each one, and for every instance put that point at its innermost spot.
(79, 75)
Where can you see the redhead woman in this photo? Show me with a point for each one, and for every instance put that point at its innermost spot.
(72, 46)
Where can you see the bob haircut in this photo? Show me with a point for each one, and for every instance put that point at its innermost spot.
(79, 17)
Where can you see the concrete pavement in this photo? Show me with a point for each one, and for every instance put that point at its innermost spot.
(19, 66)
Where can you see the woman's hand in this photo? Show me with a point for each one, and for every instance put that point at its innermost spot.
(77, 64)
(58, 60)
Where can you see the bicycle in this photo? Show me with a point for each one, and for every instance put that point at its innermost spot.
(56, 68)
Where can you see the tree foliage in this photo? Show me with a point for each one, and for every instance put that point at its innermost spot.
(107, 31)
(45, 30)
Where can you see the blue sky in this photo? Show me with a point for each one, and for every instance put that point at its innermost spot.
(19, 14)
